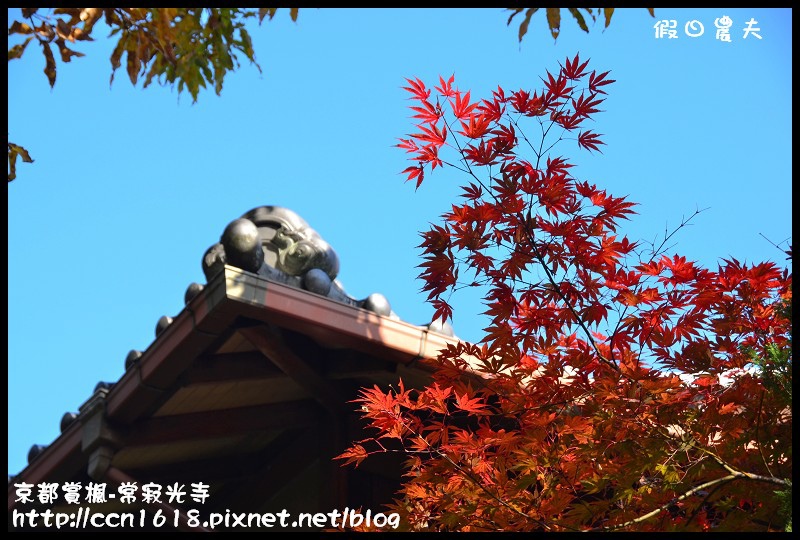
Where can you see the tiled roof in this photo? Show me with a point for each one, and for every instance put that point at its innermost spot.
(255, 354)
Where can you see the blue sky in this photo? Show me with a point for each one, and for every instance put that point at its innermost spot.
(130, 187)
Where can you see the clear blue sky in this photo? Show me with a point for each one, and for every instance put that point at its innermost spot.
(130, 187)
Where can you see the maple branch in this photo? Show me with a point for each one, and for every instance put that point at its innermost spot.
(778, 244)
(733, 472)
(702, 503)
(539, 153)
(662, 247)
(459, 168)
(468, 170)
(741, 474)
(545, 132)
(735, 475)
(525, 137)
(560, 293)
(536, 252)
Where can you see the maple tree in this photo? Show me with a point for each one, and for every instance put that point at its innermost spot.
(618, 386)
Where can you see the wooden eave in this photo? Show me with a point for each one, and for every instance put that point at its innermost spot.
(236, 381)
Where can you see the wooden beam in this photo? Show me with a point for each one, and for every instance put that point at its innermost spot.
(271, 345)
(333, 483)
(220, 471)
(228, 367)
(280, 464)
(222, 423)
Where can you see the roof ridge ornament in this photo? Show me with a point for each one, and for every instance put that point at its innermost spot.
(276, 243)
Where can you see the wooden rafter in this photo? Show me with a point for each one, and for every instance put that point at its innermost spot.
(269, 342)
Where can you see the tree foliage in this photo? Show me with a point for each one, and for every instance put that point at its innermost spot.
(187, 47)
(14, 151)
(192, 47)
(618, 386)
(554, 18)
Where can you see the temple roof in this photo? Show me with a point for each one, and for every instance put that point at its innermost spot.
(234, 382)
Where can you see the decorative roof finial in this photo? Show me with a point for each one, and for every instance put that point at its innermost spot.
(276, 243)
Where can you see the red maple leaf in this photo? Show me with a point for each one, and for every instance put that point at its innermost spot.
(596, 81)
(427, 113)
(415, 172)
(461, 106)
(432, 134)
(585, 106)
(484, 154)
(473, 406)
(417, 87)
(445, 87)
(589, 140)
(557, 87)
(572, 70)
(476, 127)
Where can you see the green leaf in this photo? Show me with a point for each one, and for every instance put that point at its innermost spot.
(262, 12)
(516, 12)
(17, 50)
(23, 154)
(523, 27)
(247, 44)
(19, 28)
(608, 12)
(133, 66)
(579, 18)
(554, 21)
(15, 150)
(207, 72)
(116, 55)
(50, 63)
